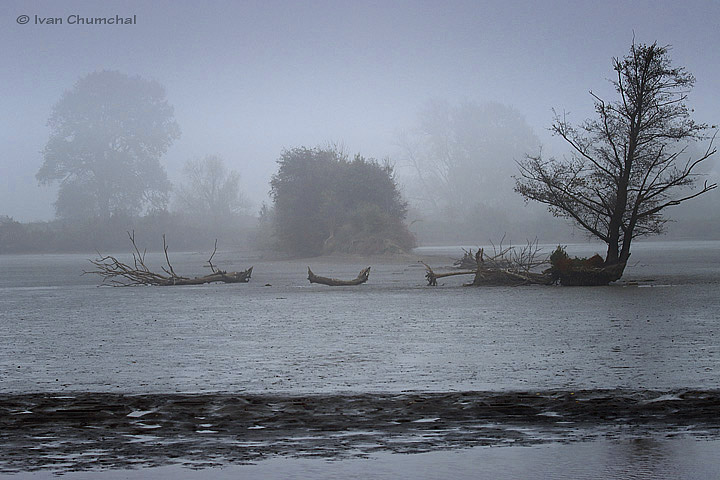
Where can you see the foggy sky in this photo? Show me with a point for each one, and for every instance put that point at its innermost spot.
(248, 79)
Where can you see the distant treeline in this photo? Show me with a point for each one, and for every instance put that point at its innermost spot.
(110, 235)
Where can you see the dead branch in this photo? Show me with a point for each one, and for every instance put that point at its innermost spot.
(120, 274)
(333, 282)
(212, 267)
(432, 277)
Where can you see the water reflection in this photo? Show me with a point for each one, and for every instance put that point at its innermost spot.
(640, 458)
(636, 459)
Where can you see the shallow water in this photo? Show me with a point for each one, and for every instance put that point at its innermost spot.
(656, 331)
(394, 333)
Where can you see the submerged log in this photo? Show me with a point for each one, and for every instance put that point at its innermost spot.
(120, 274)
(334, 282)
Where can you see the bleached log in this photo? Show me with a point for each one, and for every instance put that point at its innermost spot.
(334, 282)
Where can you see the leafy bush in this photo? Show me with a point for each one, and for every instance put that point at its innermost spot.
(325, 202)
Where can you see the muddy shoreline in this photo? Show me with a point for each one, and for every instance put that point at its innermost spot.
(89, 431)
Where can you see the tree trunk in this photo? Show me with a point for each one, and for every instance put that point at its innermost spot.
(612, 256)
(218, 276)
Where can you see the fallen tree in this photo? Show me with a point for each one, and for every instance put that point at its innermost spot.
(512, 266)
(120, 274)
(334, 282)
(507, 266)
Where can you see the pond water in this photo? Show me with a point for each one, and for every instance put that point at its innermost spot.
(656, 330)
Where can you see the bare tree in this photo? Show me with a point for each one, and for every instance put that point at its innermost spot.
(212, 193)
(627, 165)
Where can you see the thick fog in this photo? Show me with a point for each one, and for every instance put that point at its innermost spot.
(249, 79)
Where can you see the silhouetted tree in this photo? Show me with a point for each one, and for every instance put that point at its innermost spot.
(626, 164)
(107, 136)
(324, 202)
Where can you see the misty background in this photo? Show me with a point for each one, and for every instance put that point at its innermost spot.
(248, 80)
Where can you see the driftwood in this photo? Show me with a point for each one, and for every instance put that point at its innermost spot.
(120, 274)
(334, 282)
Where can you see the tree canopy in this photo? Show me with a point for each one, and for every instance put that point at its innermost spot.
(107, 137)
(325, 202)
(629, 163)
(461, 158)
(466, 153)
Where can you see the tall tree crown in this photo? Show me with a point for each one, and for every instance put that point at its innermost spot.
(107, 136)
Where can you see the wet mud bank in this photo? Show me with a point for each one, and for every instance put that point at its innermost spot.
(86, 431)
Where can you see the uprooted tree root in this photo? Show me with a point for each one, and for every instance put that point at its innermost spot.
(334, 282)
(119, 274)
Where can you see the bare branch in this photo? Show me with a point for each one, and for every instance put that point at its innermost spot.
(212, 267)
(117, 273)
